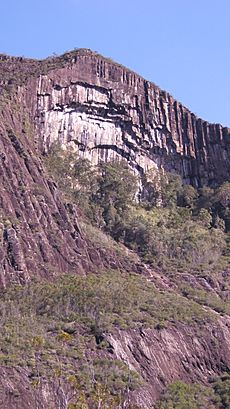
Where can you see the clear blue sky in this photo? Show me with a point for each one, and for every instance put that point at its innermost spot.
(181, 45)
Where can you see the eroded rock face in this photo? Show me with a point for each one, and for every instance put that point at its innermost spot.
(39, 235)
(176, 352)
(106, 111)
(193, 353)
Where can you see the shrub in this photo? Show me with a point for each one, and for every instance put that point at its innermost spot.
(180, 395)
(221, 387)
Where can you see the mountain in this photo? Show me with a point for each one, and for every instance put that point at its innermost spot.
(103, 112)
(82, 98)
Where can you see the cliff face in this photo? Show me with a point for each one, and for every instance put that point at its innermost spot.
(107, 111)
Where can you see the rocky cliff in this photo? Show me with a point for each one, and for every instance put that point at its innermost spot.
(103, 111)
(39, 235)
(107, 111)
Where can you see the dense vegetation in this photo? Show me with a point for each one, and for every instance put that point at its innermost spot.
(169, 225)
(180, 395)
(56, 331)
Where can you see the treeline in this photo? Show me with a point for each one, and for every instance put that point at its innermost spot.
(171, 225)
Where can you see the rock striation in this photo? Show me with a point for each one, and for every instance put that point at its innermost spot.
(176, 352)
(106, 111)
(39, 234)
(182, 352)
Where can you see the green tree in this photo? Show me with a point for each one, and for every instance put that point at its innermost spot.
(170, 188)
(160, 189)
(205, 198)
(152, 181)
(223, 194)
(59, 163)
(187, 196)
(222, 204)
(116, 191)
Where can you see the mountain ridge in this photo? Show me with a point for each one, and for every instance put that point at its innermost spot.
(68, 55)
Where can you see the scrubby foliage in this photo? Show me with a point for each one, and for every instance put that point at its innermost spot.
(96, 303)
(221, 387)
(172, 226)
(58, 331)
(210, 299)
(181, 395)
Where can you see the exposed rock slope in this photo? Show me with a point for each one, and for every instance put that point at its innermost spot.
(36, 232)
(39, 236)
(104, 111)
(194, 351)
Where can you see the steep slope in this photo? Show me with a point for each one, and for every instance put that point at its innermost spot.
(51, 333)
(39, 234)
(107, 111)
(35, 227)
(104, 111)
